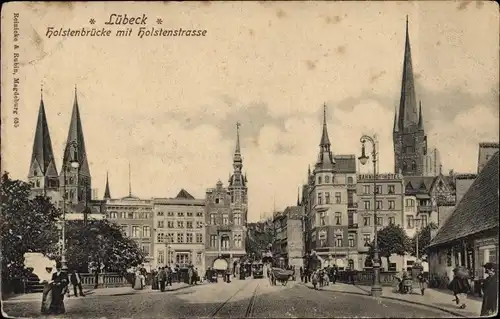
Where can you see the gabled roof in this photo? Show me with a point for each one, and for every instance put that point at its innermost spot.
(345, 163)
(183, 194)
(418, 183)
(478, 209)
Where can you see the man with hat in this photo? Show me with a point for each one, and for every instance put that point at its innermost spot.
(490, 290)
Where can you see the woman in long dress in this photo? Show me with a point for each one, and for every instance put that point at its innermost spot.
(137, 281)
(59, 283)
(46, 280)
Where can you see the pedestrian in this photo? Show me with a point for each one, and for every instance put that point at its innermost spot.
(76, 281)
(190, 275)
(460, 287)
(490, 290)
(46, 280)
(228, 275)
(169, 276)
(154, 279)
(137, 281)
(315, 280)
(162, 278)
(422, 282)
(59, 283)
(301, 272)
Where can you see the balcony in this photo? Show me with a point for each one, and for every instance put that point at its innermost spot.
(424, 209)
(223, 228)
(353, 226)
(323, 207)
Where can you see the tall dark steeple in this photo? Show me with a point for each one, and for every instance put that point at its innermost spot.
(42, 173)
(325, 156)
(237, 188)
(107, 194)
(78, 179)
(237, 178)
(410, 141)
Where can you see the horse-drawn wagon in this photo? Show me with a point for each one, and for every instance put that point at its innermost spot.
(279, 275)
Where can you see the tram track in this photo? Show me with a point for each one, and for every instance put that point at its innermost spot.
(250, 307)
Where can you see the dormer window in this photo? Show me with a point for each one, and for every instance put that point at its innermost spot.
(35, 172)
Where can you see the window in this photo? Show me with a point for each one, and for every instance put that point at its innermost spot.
(189, 224)
(213, 241)
(327, 197)
(170, 257)
(199, 214)
(410, 221)
(338, 241)
(170, 237)
(189, 238)
(237, 219)
(390, 189)
(212, 219)
(224, 243)
(171, 214)
(159, 214)
(180, 214)
(410, 202)
(351, 240)
(380, 221)
(199, 224)
(327, 179)
(338, 198)
(319, 179)
(198, 258)
(180, 238)
(146, 231)
(225, 219)
(136, 231)
(379, 189)
(338, 218)
(424, 221)
(135, 215)
(392, 220)
(161, 257)
(392, 204)
(322, 218)
(237, 240)
(145, 250)
(320, 201)
(180, 224)
(366, 189)
(160, 224)
(199, 238)
(367, 204)
(170, 224)
(189, 214)
(350, 180)
(413, 166)
(379, 204)
(366, 221)
(160, 237)
(113, 215)
(182, 258)
(217, 201)
(350, 197)
(367, 239)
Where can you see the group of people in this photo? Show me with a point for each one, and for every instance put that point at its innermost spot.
(56, 286)
(460, 287)
(319, 276)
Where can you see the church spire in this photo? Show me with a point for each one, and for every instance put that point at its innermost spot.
(42, 166)
(395, 128)
(75, 143)
(298, 196)
(107, 194)
(325, 156)
(408, 113)
(237, 178)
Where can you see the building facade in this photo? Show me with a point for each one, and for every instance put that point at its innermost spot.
(288, 245)
(179, 231)
(409, 138)
(226, 210)
(432, 163)
(486, 152)
(389, 205)
(135, 217)
(329, 205)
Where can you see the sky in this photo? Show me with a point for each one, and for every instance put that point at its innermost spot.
(170, 105)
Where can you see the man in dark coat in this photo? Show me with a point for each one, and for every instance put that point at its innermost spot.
(490, 291)
(76, 281)
(162, 278)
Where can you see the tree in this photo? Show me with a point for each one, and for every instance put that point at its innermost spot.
(100, 244)
(424, 239)
(26, 225)
(392, 239)
(260, 236)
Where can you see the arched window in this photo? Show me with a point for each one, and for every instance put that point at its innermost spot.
(405, 166)
(413, 166)
(35, 172)
(327, 179)
(37, 183)
(319, 179)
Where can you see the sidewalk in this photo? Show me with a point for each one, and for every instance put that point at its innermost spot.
(439, 299)
(118, 291)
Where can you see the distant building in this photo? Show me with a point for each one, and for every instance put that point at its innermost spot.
(432, 163)
(389, 205)
(486, 152)
(329, 203)
(462, 184)
(226, 216)
(469, 237)
(288, 243)
(179, 230)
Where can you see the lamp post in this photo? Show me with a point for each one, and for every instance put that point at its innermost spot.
(417, 224)
(376, 290)
(74, 164)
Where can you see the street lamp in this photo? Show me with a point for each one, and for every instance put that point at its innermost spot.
(74, 164)
(417, 224)
(376, 290)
